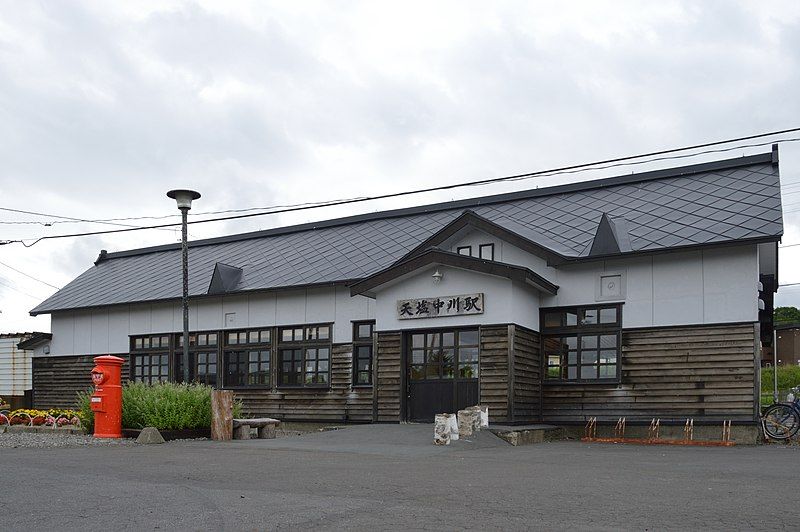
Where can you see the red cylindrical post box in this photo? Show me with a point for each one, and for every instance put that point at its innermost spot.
(107, 397)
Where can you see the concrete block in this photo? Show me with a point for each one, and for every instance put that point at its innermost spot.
(241, 432)
(441, 429)
(149, 435)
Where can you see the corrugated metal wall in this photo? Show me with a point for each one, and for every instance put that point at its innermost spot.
(15, 367)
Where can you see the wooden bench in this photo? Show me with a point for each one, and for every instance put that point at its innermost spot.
(266, 428)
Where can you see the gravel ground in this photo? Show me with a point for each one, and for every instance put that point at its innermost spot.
(42, 441)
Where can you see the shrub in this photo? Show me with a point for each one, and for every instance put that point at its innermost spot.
(165, 406)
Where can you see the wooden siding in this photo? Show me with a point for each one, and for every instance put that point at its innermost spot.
(526, 377)
(702, 372)
(388, 377)
(57, 380)
(494, 371)
(339, 403)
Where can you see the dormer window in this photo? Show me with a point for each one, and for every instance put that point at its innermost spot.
(464, 250)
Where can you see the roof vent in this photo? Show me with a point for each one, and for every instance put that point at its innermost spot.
(611, 237)
(224, 279)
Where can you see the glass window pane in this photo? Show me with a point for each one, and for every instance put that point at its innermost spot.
(588, 357)
(323, 354)
(432, 371)
(447, 371)
(322, 365)
(571, 318)
(608, 356)
(486, 251)
(552, 319)
(265, 336)
(233, 338)
(417, 356)
(286, 335)
(468, 371)
(572, 357)
(432, 340)
(137, 343)
(608, 341)
(365, 330)
(417, 372)
(322, 378)
(553, 372)
(324, 332)
(201, 358)
(417, 340)
(468, 354)
(468, 338)
(364, 351)
(588, 372)
(448, 339)
(589, 342)
(363, 378)
(608, 372)
(608, 315)
(212, 339)
(448, 356)
(572, 342)
(589, 317)
(253, 356)
(164, 341)
(164, 359)
(363, 364)
(252, 337)
(572, 372)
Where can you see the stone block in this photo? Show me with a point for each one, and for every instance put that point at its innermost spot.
(150, 435)
(441, 429)
(241, 432)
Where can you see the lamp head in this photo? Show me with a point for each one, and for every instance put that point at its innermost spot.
(183, 197)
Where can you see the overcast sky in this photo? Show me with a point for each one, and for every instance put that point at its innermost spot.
(105, 106)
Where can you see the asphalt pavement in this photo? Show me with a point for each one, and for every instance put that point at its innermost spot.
(391, 477)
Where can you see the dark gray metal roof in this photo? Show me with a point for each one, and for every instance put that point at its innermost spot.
(707, 204)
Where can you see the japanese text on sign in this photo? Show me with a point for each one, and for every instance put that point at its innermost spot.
(437, 307)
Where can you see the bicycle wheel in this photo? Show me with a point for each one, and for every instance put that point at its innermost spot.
(781, 422)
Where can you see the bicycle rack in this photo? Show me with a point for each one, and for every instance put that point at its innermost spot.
(653, 434)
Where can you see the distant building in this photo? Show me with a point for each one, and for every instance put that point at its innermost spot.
(788, 343)
(643, 295)
(16, 366)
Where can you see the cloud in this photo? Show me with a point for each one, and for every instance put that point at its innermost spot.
(106, 106)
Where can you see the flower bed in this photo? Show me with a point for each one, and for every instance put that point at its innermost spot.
(31, 417)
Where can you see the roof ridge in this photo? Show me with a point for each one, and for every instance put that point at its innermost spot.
(578, 186)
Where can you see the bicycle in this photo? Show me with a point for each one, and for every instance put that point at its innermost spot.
(781, 421)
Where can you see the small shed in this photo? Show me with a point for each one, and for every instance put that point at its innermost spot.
(16, 353)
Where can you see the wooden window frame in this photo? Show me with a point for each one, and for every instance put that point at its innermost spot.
(138, 356)
(481, 248)
(580, 330)
(306, 344)
(363, 342)
(246, 343)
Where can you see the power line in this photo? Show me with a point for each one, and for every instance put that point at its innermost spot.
(608, 163)
(66, 218)
(20, 291)
(30, 276)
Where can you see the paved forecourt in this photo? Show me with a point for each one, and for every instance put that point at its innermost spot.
(391, 477)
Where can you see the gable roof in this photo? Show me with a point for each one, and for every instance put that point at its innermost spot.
(448, 258)
(723, 202)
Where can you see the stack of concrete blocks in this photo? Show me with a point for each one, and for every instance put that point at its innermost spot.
(445, 428)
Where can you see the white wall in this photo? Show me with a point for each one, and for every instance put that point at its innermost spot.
(504, 252)
(697, 287)
(504, 301)
(15, 368)
(107, 330)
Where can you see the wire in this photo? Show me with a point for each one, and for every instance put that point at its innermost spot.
(30, 276)
(20, 291)
(788, 284)
(609, 163)
(65, 218)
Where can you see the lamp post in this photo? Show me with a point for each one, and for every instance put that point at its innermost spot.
(184, 199)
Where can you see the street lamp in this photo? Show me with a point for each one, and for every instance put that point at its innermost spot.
(184, 199)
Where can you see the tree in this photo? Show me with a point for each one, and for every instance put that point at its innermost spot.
(786, 315)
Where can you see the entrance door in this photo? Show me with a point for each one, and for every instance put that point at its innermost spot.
(442, 372)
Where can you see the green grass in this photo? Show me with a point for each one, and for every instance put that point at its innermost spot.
(788, 377)
(165, 406)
